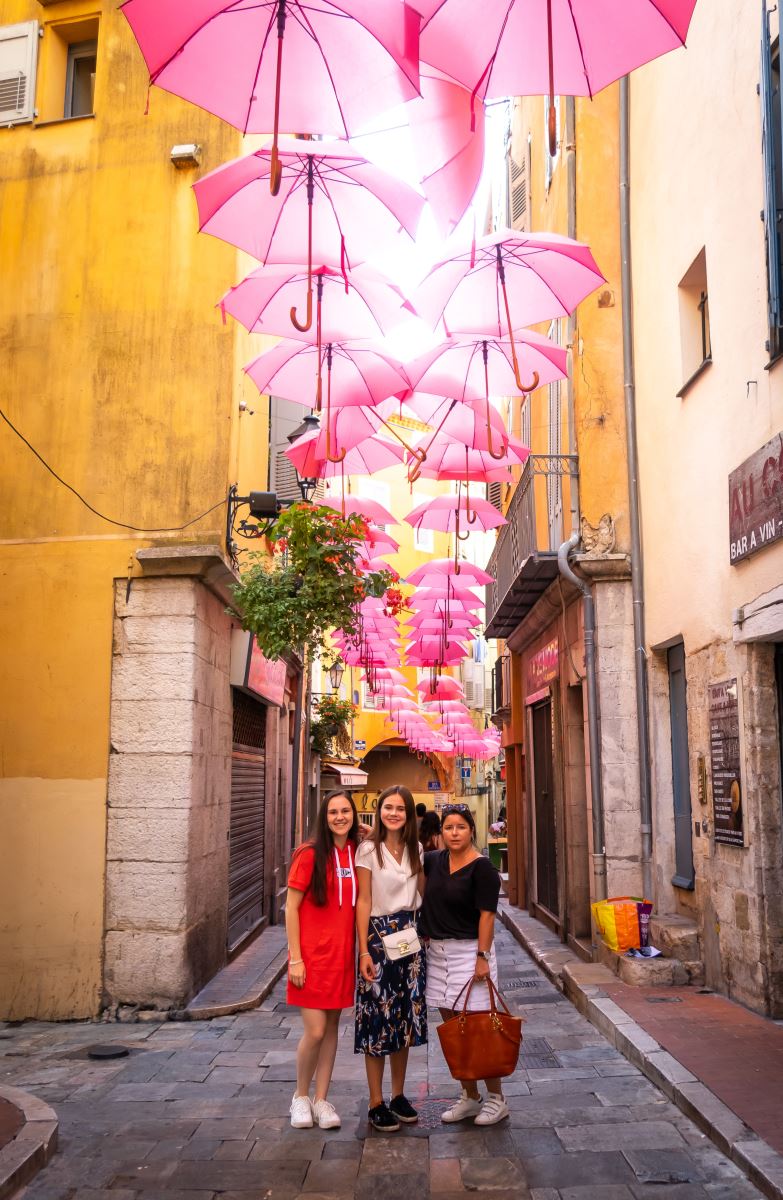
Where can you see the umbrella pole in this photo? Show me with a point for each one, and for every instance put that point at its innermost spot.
(490, 450)
(332, 458)
(419, 455)
(310, 197)
(514, 360)
(276, 171)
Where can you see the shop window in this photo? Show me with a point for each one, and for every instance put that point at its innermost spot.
(68, 70)
(695, 341)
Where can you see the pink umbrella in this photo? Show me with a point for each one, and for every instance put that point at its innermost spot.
(342, 61)
(444, 593)
(445, 566)
(457, 368)
(374, 454)
(471, 424)
(548, 47)
(444, 686)
(437, 139)
(447, 459)
(362, 506)
(443, 513)
(432, 652)
(349, 207)
(535, 276)
(361, 374)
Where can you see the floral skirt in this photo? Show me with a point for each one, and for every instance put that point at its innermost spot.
(391, 1012)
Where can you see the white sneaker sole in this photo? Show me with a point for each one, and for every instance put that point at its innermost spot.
(447, 1119)
(491, 1120)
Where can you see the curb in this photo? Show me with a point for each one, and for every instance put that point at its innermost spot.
(33, 1146)
(254, 999)
(760, 1162)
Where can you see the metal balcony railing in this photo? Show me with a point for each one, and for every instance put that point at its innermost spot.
(524, 561)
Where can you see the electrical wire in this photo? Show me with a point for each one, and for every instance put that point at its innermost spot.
(86, 503)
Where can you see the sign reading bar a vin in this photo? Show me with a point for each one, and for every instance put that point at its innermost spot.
(756, 501)
(725, 761)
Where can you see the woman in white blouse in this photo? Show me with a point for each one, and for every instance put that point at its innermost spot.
(391, 1006)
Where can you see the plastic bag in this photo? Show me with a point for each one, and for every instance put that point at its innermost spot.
(618, 921)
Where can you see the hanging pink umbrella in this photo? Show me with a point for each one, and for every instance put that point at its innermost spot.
(447, 459)
(259, 64)
(548, 47)
(437, 139)
(445, 594)
(443, 513)
(476, 425)
(505, 281)
(361, 373)
(445, 566)
(362, 506)
(457, 367)
(433, 652)
(342, 207)
(374, 454)
(444, 686)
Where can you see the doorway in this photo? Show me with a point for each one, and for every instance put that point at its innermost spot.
(684, 875)
(544, 809)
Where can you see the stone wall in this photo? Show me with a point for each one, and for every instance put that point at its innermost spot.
(169, 792)
(619, 735)
(738, 895)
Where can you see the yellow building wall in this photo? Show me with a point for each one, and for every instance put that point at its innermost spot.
(118, 369)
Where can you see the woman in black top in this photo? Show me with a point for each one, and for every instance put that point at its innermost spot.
(458, 917)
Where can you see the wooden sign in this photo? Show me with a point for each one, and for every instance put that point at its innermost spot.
(756, 501)
(727, 798)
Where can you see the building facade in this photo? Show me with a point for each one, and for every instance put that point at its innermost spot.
(707, 338)
(150, 762)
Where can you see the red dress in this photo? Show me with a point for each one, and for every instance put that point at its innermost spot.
(326, 933)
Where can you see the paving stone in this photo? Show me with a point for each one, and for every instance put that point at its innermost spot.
(593, 1192)
(664, 1166)
(225, 1128)
(241, 1176)
(671, 1191)
(445, 1175)
(571, 1170)
(343, 1149)
(493, 1174)
(530, 1143)
(650, 1135)
(412, 1185)
(333, 1176)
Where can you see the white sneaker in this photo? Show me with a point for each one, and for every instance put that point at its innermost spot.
(325, 1115)
(464, 1108)
(301, 1113)
(493, 1110)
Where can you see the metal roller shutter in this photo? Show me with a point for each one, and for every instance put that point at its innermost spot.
(246, 844)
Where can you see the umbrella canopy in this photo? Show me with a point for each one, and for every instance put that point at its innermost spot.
(373, 454)
(361, 373)
(505, 281)
(265, 64)
(371, 509)
(447, 459)
(457, 368)
(369, 307)
(438, 567)
(478, 425)
(449, 513)
(548, 47)
(437, 140)
(442, 686)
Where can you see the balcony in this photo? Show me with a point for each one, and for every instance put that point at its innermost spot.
(524, 561)
(501, 686)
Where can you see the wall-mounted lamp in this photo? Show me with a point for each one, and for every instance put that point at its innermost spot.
(188, 154)
(307, 484)
(336, 672)
(263, 507)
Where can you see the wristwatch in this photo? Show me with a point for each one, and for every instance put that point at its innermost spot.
(483, 954)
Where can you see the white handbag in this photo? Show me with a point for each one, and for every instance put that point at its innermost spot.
(400, 944)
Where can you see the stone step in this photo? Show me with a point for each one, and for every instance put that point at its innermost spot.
(675, 936)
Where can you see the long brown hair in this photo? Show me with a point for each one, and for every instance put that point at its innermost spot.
(410, 835)
(323, 844)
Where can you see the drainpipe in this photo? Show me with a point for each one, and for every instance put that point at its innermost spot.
(637, 571)
(596, 785)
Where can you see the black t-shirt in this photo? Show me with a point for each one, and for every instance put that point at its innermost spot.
(453, 902)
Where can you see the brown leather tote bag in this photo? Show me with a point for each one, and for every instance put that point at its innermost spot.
(484, 1044)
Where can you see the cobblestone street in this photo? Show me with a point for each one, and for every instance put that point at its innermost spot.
(200, 1109)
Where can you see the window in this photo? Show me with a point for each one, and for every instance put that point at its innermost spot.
(772, 140)
(518, 164)
(18, 59)
(695, 341)
(80, 79)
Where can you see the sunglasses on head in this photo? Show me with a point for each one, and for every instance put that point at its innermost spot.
(455, 808)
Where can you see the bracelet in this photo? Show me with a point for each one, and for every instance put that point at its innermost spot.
(365, 954)
(295, 962)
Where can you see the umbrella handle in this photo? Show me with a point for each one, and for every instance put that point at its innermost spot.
(552, 113)
(318, 346)
(490, 450)
(339, 458)
(310, 196)
(416, 472)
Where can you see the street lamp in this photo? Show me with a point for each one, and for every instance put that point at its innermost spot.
(306, 484)
(336, 672)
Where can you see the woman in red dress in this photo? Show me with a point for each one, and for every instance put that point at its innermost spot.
(320, 922)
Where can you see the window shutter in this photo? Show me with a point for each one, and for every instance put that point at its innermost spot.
(495, 494)
(518, 191)
(285, 418)
(771, 215)
(18, 58)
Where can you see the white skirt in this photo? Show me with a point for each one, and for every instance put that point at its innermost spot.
(451, 964)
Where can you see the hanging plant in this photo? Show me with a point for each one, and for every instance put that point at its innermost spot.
(311, 584)
(331, 727)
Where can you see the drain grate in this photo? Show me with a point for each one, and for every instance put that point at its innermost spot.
(511, 985)
(663, 999)
(537, 1053)
(429, 1111)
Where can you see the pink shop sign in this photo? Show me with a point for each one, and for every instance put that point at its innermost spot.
(263, 677)
(542, 667)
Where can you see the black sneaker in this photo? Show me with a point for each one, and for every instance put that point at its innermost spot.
(382, 1118)
(403, 1109)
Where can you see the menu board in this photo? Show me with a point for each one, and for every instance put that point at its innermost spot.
(727, 798)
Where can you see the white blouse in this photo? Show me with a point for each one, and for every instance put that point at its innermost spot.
(393, 886)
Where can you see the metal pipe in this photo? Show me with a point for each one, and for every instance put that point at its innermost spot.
(593, 728)
(637, 566)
